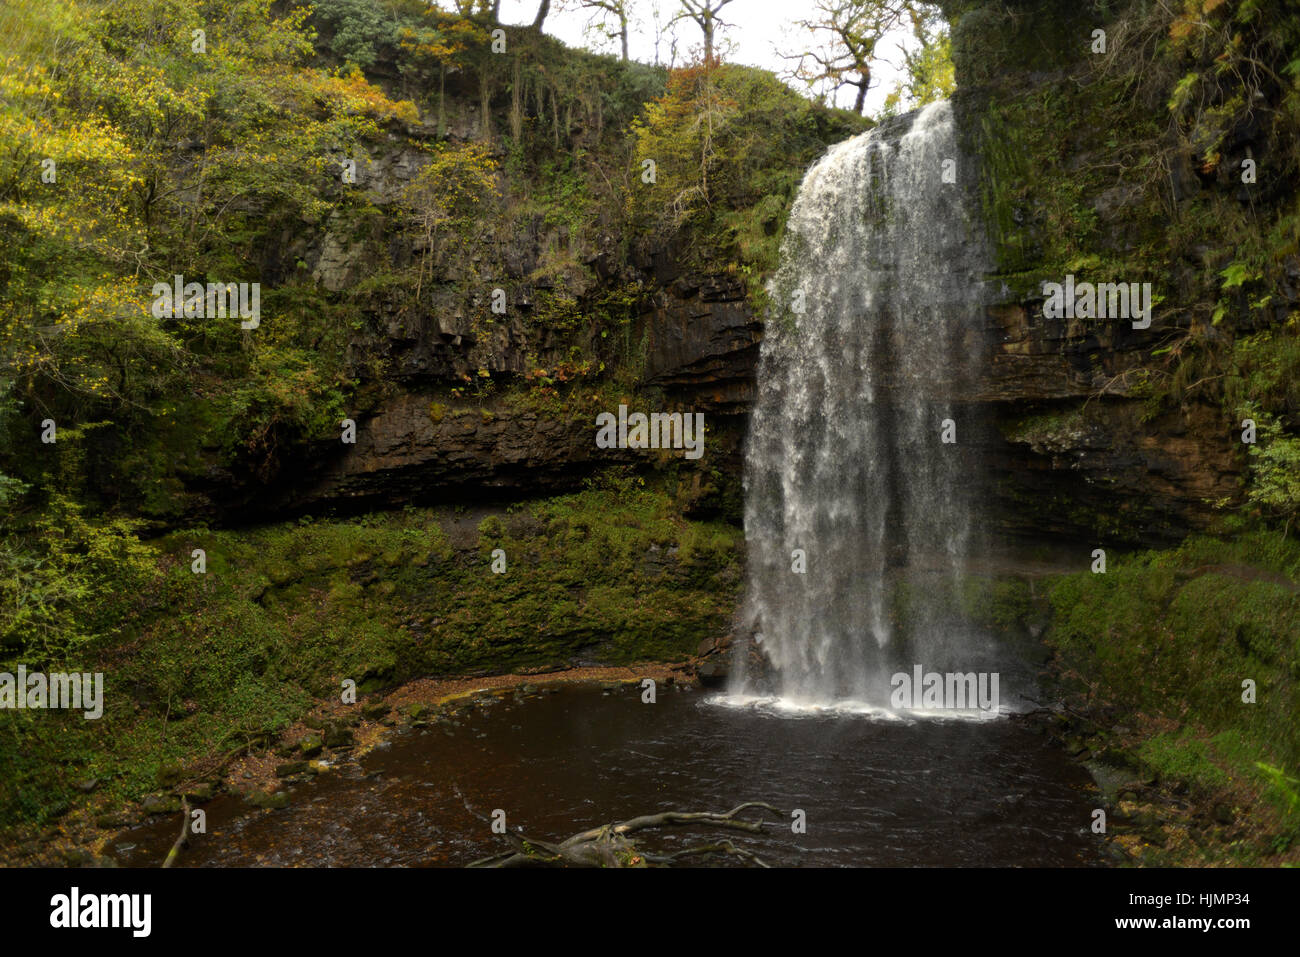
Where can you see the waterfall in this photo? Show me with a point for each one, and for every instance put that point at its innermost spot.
(876, 323)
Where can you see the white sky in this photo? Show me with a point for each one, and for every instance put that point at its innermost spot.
(760, 31)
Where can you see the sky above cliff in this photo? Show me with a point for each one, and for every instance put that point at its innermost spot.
(759, 32)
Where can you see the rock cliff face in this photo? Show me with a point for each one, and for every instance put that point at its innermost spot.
(700, 340)
(1068, 446)
(412, 449)
(702, 343)
(1089, 436)
(1072, 449)
(1069, 437)
(447, 408)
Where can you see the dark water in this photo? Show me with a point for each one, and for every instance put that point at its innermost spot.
(876, 793)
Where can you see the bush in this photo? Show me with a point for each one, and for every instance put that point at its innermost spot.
(727, 139)
(67, 582)
(362, 29)
(1275, 472)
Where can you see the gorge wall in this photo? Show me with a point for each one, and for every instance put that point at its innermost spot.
(1079, 442)
(1092, 430)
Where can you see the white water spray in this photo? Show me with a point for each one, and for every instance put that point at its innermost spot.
(878, 321)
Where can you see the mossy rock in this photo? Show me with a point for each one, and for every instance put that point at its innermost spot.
(994, 39)
(416, 711)
(169, 774)
(339, 736)
(113, 820)
(267, 800)
(201, 793)
(160, 804)
(372, 683)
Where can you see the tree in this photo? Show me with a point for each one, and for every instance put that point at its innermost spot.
(477, 8)
(449, 194)
(664, 30)
(681, 131)
(620, 10)
(1275, 471)
(851, 30)
(66, 580)
(930, 73)
(161, 160)
(542, 10)
(449, 43)
(704, 14)
(361, 29)
(722, 138)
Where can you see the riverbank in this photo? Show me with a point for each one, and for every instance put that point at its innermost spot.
(581, 756)
(329, 734)
(1153, 818)
(210, 660)
(1158, 818)
(1174, 681)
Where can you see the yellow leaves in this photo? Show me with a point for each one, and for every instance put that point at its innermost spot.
(20, 76)
(353, 93)
(445, 42)
(79, 222)
(1191, 21)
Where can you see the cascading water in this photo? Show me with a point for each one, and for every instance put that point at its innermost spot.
(879, 304)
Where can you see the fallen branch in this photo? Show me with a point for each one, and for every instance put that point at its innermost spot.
(724, 847)
(608, 845)
(175, 852)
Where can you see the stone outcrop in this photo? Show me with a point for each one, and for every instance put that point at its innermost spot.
(1072, 447)
(417, 445)
(415, 449)
(702, 342)
(1065, 443)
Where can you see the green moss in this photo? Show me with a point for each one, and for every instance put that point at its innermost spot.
(1174, 634)
(1001, 605)
(1046, 428)
(286, 612)
(1128, 523)
(1040, 202)
(991, 40)
(1127, 165)
(1183, 758)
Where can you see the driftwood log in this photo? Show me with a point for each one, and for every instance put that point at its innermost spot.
(609, 846)
(174, 854)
